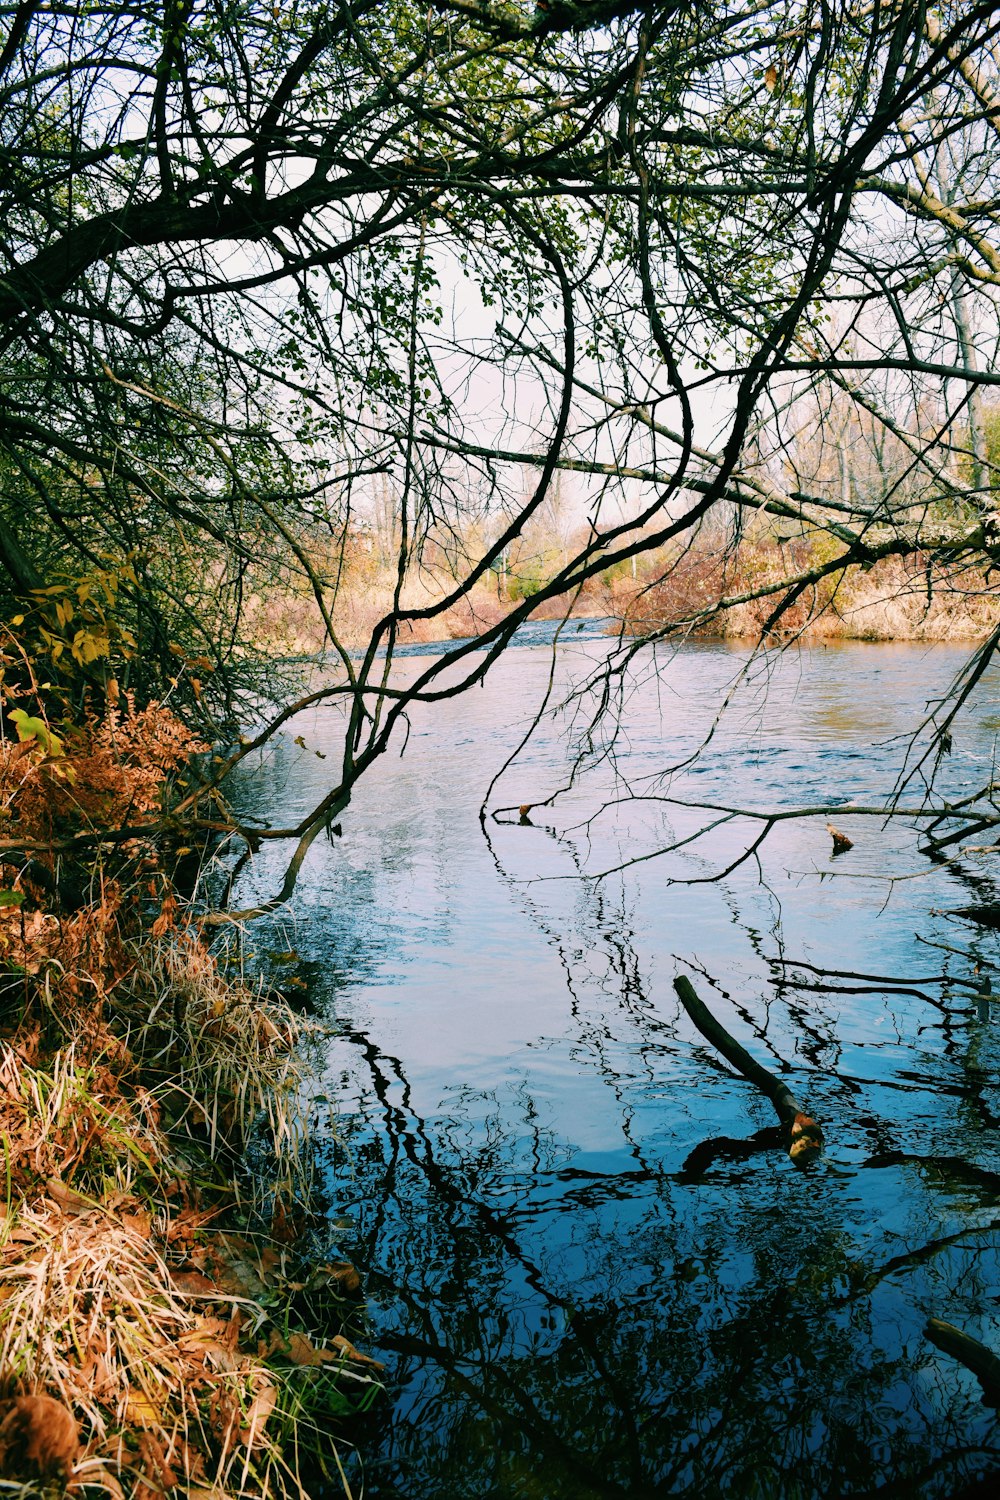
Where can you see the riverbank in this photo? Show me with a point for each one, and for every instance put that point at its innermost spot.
(896, 599)
(289, 624)
(158, 1328)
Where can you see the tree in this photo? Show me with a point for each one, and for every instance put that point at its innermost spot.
(260, 267)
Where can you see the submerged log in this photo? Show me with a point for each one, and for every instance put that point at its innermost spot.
(983, 1363)
(841, 843)
(805, 1136)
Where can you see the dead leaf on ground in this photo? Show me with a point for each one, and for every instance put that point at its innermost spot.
(214, 1338)
(236, 1275)
(268, 1261)
(94, 1371)
(299, 1349)
(261, 1407)
(289, 1222)
(343, 1274)
(67, 1199)
(347, 1350)
(193, 1284)
(156, 1467)
(230, 1416)
(184, 1225)
(140, 1223)
(38, 1435)
(20, 1236)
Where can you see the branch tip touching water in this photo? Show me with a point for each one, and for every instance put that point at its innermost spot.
(804, 1134)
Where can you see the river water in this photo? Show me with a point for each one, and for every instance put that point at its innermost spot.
(592, 1271)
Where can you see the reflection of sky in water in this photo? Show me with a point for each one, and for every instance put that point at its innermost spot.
(566, 1311)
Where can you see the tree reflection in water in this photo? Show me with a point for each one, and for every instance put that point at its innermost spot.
(631, 1334)
(722, 1329)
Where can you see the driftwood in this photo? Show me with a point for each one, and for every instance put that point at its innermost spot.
(805, 1137)
(983, 1363)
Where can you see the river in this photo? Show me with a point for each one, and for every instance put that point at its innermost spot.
(587, 1273)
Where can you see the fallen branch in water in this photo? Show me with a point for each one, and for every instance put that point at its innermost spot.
(983, 1363)
(841, 843)
(805, 1135)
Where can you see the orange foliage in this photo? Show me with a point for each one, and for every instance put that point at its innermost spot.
(109, 772)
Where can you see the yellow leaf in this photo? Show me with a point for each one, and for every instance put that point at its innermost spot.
(141, 1411)
(30, 728)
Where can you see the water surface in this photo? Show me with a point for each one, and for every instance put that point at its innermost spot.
(589, 1272)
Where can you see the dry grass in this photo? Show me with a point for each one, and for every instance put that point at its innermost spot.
(231, 1058)
(159, 1378)
(895, 602)
(290, 623)
(162, 1336)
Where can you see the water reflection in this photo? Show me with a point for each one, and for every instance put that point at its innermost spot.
(611, 1332)
(592, 1269)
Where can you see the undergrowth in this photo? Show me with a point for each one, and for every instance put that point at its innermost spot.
(153, 1332)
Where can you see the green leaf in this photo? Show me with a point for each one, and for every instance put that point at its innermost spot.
(11, 898)
(31, 728)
